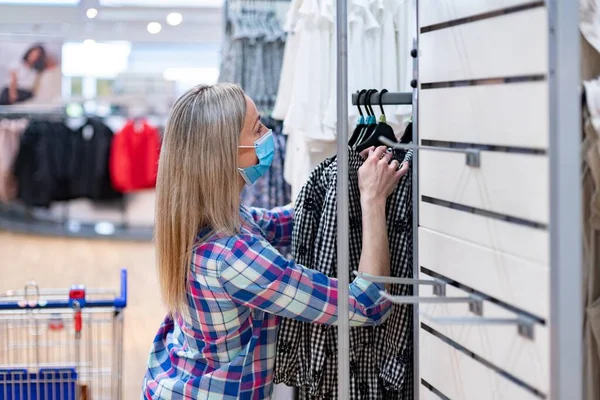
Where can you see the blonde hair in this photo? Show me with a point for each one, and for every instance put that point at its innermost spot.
(197, 185)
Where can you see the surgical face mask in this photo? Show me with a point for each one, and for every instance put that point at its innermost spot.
(265, 150)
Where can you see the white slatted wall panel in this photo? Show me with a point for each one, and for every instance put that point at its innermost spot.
(483, 68)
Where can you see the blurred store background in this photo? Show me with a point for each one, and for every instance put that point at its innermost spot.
(85, 89)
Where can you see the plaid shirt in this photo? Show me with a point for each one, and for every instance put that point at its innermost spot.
(223, 346)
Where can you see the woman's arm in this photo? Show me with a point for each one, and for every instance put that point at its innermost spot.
(377, 179)
(254, 274)
(277, 223)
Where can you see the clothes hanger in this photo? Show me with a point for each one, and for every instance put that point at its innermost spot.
(371, 122)
(360, 124)
(381, 129)
(407, 135)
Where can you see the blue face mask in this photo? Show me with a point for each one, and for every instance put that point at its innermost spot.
(265, 151)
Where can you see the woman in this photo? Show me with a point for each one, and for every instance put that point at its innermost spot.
(225, 285)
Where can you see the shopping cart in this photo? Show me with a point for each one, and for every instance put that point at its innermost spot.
(62, 344)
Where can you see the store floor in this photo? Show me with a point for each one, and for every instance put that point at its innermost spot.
(61, 262)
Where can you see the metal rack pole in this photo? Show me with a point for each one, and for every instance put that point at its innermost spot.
(415, 199)
(341, 28)
(566, 308)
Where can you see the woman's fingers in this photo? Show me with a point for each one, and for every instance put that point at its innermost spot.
(404, 169)
(376, 154)
(365, 153)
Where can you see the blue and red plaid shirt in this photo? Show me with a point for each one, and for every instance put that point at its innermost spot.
(223, 345)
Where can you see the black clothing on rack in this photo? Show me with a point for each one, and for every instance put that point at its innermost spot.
(88, 164)
(57, 164)
(40, 168)
(381, 356)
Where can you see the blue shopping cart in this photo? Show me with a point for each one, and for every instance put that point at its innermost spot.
(62, 344)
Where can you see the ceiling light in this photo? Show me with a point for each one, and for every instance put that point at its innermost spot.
(91, 13)
(154, 27)
(89, 41)
(174, 18)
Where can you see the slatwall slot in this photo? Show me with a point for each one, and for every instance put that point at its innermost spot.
(501, 345)
(461, 377)
(428, 392)
(513, 239)
(513, 114)
(432, 12)
(513, 184)
(514, 280)
(508, 45)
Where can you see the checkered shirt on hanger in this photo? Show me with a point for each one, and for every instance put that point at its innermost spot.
(380, 357)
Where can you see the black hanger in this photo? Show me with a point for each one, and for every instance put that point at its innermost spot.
(361, 121)
(382, 129)
(407, 135)
(371, 122)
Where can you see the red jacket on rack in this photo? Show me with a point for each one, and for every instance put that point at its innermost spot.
(134, 157)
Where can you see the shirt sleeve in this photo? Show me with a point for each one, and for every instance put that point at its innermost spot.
(276, 223)
(254, 274)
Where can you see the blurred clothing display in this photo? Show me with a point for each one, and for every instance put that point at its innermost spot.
(90, 152)
(134, 157)
(590, 174)
(10, 138)
(252, 54)
(56, 163)
(379, 43)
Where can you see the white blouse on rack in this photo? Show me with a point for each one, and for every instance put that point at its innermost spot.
(378, 56)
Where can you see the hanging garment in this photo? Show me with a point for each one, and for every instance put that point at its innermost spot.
(42, 166)
(252, 54)
(10, 137)
(134, 156)
(380, 357)
(88, 162)
(591, 238)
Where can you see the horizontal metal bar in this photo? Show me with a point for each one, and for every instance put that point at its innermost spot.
(41, 314)
(471, 320)
(22, 304)
(395, 145)
(525, 326)
(393, 279)
(473, 155)
(389, 98)
(422, 300)
(55, 292)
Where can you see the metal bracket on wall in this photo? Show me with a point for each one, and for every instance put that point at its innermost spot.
(473, 156)
(525, 325)
(439, 290)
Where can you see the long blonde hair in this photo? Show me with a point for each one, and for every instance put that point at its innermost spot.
(197, 185)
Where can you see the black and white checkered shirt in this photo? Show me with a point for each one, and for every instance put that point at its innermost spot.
(381, 356)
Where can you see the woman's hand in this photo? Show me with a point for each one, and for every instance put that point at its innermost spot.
(378, 176)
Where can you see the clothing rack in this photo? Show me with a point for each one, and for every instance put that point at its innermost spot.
(561, 30)
(388, 98)
(26, 111)
(17, 217)
(249, 3)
